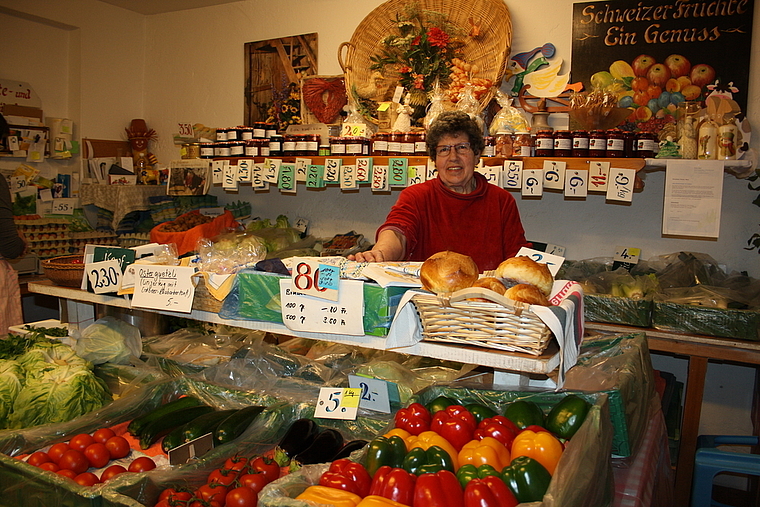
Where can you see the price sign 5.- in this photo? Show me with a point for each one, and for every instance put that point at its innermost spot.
(363, 169)
(374, 393)
(338, 403)
(533, 183)
(512, 174)
(576, 183)
(64, 206)
(104, 276)
(620, 185)
(553, 262)
(554, 174)
(314, 279)
(598, 172)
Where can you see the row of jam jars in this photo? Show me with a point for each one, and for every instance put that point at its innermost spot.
(401, 144)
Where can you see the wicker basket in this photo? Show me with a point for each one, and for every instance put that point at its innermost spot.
(501, 324)
(204, 301)
(489, 50)
(66, 270)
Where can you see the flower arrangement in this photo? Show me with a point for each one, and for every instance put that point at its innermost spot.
(286, 107)
(421, 53)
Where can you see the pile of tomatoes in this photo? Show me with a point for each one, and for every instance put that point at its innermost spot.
(74, 459)
(235, 484)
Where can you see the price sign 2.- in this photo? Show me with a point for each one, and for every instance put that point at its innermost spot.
(338, 403)
(374, 393)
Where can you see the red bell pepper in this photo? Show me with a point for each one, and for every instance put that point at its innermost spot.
(454, 423)
(441, 489)
(498, 427)
(394, 483)
(415, 418)
(489, 491)
(347, 475)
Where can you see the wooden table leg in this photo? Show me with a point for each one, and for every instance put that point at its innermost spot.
(692, 407)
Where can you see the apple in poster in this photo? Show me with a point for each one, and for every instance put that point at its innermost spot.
(679, 65)
(658, 74)
(641, 64)
(702, 74)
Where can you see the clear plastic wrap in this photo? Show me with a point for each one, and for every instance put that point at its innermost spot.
(467, 103)
(109, 340)
(230, 252)
(509, 119)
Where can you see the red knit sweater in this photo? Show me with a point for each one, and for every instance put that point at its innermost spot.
(484, 224)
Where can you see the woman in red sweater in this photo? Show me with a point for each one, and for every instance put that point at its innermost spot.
(459, 210)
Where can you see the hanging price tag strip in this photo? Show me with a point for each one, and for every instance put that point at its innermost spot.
(310, 314)
(533, 183)
(245, 170)
(337, 403)
(620, 185)
(302, 167)
(64, 206)
(332, 170)
(272, 170)
(287, 178)
(314, 279)
(492, 173)
(431, 172)
(104, 276)
(217, 171)
(257, 178)
(416, 175)
(553, 262)
(397, 172)
(363, 170)
(348, 177)
(512, 174)
(576, 183)
(315, 176)
(374, 393)
(380, 178)
(554, 174)
(598, 173)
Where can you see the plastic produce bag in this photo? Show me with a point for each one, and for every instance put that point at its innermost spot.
(109, 340)
(230, 252)
(508, 119)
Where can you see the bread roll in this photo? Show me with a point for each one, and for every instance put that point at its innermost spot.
(490, 283)
(448, 272)
(523, 269)
(527, 293)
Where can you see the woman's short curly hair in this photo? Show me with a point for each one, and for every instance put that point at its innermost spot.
(454, 122)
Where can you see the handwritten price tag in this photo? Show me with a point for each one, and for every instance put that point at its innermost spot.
(416, 174)
(533, 183)
(554, 174)
(379, 181)
(315, 176)
(314, 279)
(553, 262)
(353, 130)
(217, 171)
(620, 185)
(332, 170)
(229, 176)
(374, 393)
(104, 276)
(363, 170)
(492, 173)
(287, 178)
(185, 129)
(311, 314)
(272, 170)
(576, 183)
(598, 173)
(245, 167)
(64, 206)
(397, 173)
(348, 177)
(338, 403)
(302, 167)
(512, 174)
(626, 257)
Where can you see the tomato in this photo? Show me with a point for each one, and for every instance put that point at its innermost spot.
(75, 461)
(97, 455)
(213, 491)
(81, 441)
(242, 497)
(268, 467)
(37, 458)
(103, 434)
(111, 472)
(254, 481)
(172, 495)
(67, 473)
(87, 479)
(222, 476)
(142, 464)
(163, 503)
(236, 463)
(56, 451)
(50, 466)
(118, 447)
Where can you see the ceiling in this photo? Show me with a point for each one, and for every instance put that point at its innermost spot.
(160, 6)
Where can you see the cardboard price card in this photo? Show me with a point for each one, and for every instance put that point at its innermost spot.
(164, 287)
(310, 314)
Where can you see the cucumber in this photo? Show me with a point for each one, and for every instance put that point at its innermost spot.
(139, 423)
(199, 426)
(161, 427)
(236, 424)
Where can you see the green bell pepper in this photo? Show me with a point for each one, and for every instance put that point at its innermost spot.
(425, 461)
(385, 451)
(440, 403)
(567, 416)
(527, 478)
(468, 472)
(480, 411)
(524, 413)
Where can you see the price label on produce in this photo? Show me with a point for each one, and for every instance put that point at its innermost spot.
(104, 276)
(314, 279)
(337, 403)
(64, 206)
(553, 262)
(301, 312)
(625, 257)
(375, 393)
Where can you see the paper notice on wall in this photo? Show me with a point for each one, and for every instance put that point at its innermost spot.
(693, 196)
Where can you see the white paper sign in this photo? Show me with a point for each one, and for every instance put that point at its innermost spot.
(230, 176)
(257, 177)
(332, 170)
(492, 174)
(693, 197)
(64, 206)
(245, 170)
(432, 172)
(554, 174)
(348, 177)
(104, 276)
(302, 167)
(217, 171)
(620, 184)
(598, 173)
(553, 262)
(374, 393)
(310, 314)
(363, 169)
(576, 183)
(337, 403)
(416, 174)
(533, 182)
(164, 288)
(379, 181)
(512, 174)
(272, 170)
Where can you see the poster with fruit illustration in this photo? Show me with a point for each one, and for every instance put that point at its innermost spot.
(655, 54)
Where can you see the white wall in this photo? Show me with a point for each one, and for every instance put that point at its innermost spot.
(188, 67)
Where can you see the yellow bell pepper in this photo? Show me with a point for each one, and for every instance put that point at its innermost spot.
(487, 451)
(429, 438)
(401, 433)
(379, 501)
(330, 496)
(542, 446)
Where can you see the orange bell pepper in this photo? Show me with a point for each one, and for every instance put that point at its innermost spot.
(487, 451)
(401, 433)
(428, 438)
(379, 501)
(542, 446)
(330, 496)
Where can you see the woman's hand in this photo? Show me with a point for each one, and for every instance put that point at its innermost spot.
(390, 246)
(368, 256)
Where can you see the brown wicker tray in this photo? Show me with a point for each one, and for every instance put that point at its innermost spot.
(64, 271)
(500, 324)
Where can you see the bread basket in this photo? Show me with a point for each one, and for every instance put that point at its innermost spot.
(499, 323)
(66, 270)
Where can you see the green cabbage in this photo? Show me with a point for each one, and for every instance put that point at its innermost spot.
(42, 358)
(109, 340)
(11, 382)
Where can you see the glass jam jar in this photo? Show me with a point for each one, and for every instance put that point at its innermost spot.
(275, 145)
(233, 134)
(246, 133)
(237, 148)
(597, 144)
(259, 129)
(580, 143)
(394, 144)
(337, 146)
(615, 143)
(545, 143)
(630, 144)
(380, 144)
(221, 134)
(264, 146)
(251, 148)
(420, 148)
(407, 144)
(222, 149)
(522, 144)
(489, 147)
(289, 146)
(563, 143)
(503, 145)
(645, 144)
(207, 150)
(354, 146)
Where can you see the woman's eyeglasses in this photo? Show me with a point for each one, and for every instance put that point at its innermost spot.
(445, 149)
